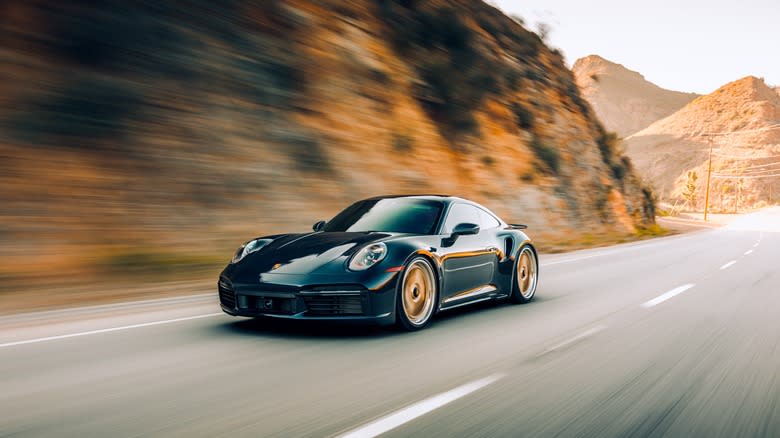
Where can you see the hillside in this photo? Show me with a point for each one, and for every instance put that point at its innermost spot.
(146, 142)
(623, 99)
(667, 150)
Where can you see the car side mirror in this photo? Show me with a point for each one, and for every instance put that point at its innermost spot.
(318, 226)
(465, 229)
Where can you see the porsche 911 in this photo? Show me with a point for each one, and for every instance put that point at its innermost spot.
(384, 260)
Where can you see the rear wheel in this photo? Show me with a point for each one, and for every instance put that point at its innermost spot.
(526, 275)
(417, 295)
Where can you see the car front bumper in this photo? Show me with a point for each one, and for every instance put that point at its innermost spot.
(287, 298)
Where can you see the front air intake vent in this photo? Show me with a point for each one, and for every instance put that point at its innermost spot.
(227, 296)
(334, 305)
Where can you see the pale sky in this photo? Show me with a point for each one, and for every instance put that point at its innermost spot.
(683, 45)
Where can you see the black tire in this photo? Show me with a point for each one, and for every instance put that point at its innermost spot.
(526, 275)
(417, 295)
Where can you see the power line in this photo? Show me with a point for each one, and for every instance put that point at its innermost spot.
(740, 172)
(744, 131)
(742, 157)
(718, 176)
(758, 166)
(709, 168)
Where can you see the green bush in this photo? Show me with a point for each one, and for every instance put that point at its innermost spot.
(402, 142)
(304, 149)
(618, 171)
(648, 206)
(609, 146)
(523, 116)
(548, 155)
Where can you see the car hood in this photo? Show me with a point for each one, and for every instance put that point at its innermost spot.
(306, 253)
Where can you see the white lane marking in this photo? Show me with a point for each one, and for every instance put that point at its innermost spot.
(418, 409)
(573, 259)
(728, 265)
(106, 330)
(755, 245)
(666, 295)
(748, 252)
(589, 332)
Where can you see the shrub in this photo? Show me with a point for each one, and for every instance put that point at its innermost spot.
(618, 171)
(608, 143)
(304, 149)
(609, 146)
(443, 101)
(402, 142)
(648, 206)
(570, 89)
(273, 82)
(523, 116)
(547, 155)
(512, 78)
(532, 75)
(651, 231)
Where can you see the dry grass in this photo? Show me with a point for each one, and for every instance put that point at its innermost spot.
(596, 240)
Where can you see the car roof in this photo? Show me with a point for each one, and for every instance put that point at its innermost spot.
(430, 197)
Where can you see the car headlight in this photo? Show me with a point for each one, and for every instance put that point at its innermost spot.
(249, 248)
(368, 256)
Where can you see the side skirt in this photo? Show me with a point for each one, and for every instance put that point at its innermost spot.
(473, 296)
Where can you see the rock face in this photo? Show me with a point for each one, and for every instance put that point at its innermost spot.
(623, 99)
(740, 118)
(143, 135)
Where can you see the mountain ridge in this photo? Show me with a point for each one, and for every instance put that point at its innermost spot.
(734, 118)
(624, 99)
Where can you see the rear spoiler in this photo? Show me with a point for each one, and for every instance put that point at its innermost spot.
(517, 226)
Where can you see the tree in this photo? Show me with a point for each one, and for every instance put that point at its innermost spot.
(690, 189)
(543, 30)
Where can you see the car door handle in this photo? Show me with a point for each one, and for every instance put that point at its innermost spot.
(492, 249)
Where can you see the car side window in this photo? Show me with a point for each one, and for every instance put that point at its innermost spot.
(488, 221)
(458, 214)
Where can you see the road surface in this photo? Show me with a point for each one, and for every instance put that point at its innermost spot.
(677, 337)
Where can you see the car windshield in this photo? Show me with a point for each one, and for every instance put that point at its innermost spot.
(395, 215)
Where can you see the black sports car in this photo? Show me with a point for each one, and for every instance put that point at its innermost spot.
(392, 259)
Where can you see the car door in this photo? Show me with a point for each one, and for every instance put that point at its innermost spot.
(470, 261)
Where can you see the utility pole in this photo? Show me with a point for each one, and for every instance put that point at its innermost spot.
(739, 193)
(709, 174)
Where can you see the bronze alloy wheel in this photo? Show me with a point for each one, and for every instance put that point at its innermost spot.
(418, 292)
(526, 275)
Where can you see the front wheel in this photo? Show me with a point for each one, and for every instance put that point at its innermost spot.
(417, 295)
(526, 275)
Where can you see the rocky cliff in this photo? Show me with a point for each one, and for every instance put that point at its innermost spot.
(140, 136)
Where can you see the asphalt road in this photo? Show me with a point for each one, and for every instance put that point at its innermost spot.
(676, 337)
